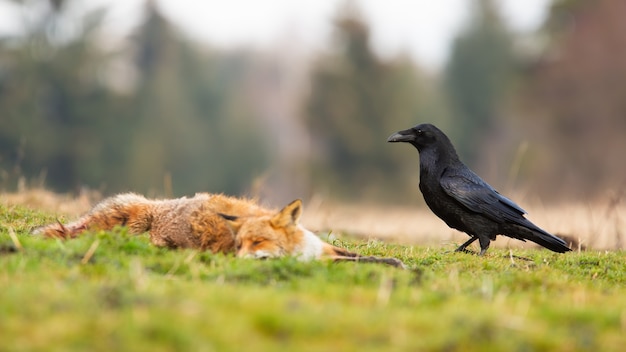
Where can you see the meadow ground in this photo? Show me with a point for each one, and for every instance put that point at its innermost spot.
(109, 290)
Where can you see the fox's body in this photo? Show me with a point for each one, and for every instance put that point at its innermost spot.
(198, 222)
(212, 222)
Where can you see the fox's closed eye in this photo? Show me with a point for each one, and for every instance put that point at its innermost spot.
(257, 242)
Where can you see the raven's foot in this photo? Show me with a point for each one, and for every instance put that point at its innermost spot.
(467, 243)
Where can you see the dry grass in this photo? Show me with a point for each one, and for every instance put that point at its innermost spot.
(592, 226)
(600, 226)
(595, 226)
(61, 204)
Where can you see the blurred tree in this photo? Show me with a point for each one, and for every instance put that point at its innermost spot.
(191, 121)
(356, 101)
(55, 104)
(577, 94)
(478, 77)
(183, 123)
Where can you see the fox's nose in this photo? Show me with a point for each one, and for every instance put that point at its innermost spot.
(260, 254)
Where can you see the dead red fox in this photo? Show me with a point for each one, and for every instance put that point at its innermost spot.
(212, 222)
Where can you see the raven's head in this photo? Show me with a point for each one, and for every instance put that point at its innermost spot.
(420, 136)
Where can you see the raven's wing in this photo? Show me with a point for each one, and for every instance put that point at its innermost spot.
(478, 196)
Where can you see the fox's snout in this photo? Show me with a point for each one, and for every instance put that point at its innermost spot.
(255, 255)
(258, 253)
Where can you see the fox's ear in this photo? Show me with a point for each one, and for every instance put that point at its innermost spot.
(228, 217)
(289, 215)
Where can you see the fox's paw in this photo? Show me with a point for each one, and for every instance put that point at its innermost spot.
(393, 262)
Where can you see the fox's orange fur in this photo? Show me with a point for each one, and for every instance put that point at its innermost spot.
(213, 222)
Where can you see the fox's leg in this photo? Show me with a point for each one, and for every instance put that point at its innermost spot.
(370, 259)
(129, 210)
(338, 254)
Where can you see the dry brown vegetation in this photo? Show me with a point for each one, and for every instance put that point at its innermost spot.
(61, 204)
(598, 226)
(594, 226)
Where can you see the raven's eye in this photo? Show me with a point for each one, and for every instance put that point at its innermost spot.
(419, 132)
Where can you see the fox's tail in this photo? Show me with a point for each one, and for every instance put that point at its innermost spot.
(130, 210)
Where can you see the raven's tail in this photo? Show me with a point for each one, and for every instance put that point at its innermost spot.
(535, 234)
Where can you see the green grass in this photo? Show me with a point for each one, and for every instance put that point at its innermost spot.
(129, 295)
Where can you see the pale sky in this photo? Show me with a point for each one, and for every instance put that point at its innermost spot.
(421, 28)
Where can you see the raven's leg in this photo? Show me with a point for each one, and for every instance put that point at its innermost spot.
(464, 245)
(484, 244)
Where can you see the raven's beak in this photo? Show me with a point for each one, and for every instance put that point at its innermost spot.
(401, 136)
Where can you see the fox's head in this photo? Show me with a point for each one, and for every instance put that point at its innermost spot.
(276, 235)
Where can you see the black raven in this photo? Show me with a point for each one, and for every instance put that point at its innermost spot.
(463, 200)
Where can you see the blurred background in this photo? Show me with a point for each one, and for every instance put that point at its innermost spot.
(286, 99)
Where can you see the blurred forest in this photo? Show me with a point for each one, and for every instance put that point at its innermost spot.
(160, 113)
